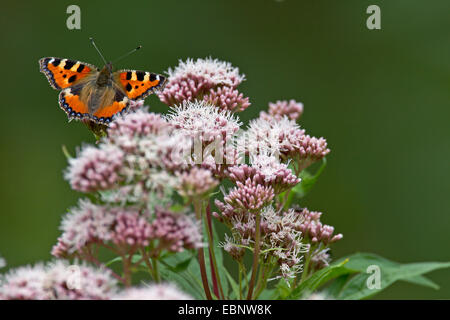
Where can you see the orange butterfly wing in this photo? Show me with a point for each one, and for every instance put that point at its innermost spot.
(119, 105)
(63, 73)
(70, 102)
(139, 84)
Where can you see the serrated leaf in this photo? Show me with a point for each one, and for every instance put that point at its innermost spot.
(357, 288)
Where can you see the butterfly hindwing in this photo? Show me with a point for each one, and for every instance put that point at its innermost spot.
(114, 103)
(70, 101)
(139, 84)
(63, 73)
(76, 101)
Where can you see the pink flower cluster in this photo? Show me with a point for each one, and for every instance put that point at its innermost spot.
(284, 138)
(280, 239)
(203, 120)
(280, 234)
(135, 124)
(57, 281)
(95, 168)
(176, 231)
(212, 81)
(313, 230)
(196, 183)
(291, 109)
(256, 186)
(211, 131)
(285, 235)
(139, 157)
(248, 196)
(89, 224)
(162, 291)
(92, 224)
(265, 171)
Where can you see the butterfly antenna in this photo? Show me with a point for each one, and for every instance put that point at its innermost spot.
(127, 54)
(95, 46)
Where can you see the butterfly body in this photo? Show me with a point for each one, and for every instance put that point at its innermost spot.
(88, 93)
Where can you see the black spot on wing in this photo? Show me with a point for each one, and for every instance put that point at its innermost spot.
(152, 77)
(140, 75)
(129, 74)
(128, 87)
(56, 62)
(69, 64)
(72, 78)
(80, 68)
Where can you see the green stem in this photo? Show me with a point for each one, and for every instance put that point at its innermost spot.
(255, 257)
(126, 270)
(306, 265)
(260, 284)
(285, 199)
(267, 273)
(155, 269)
(240, 281)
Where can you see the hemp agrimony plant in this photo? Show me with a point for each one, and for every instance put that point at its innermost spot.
(194, 205)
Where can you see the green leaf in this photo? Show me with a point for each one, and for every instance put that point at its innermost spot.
(234, 285)
(177, 208)
(319, 278)
(335, 288)
(268, 294)
(188, 278)
(181, 265)
(283, 290)
(134, 259)
(422, 281)
(356, 288)
(307, 182)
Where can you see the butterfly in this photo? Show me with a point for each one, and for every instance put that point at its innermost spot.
(88, 93)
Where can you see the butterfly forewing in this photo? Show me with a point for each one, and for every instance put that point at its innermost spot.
(63, 73)
(139, 84)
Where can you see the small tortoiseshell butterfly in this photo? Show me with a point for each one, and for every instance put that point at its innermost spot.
(88, 93)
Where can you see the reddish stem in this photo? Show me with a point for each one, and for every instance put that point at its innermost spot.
(213, 273)
(201, 255)
(201, 260)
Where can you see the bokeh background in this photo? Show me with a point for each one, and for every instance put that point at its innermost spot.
(380, 97)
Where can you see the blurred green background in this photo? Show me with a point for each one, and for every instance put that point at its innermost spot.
(380, 97)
